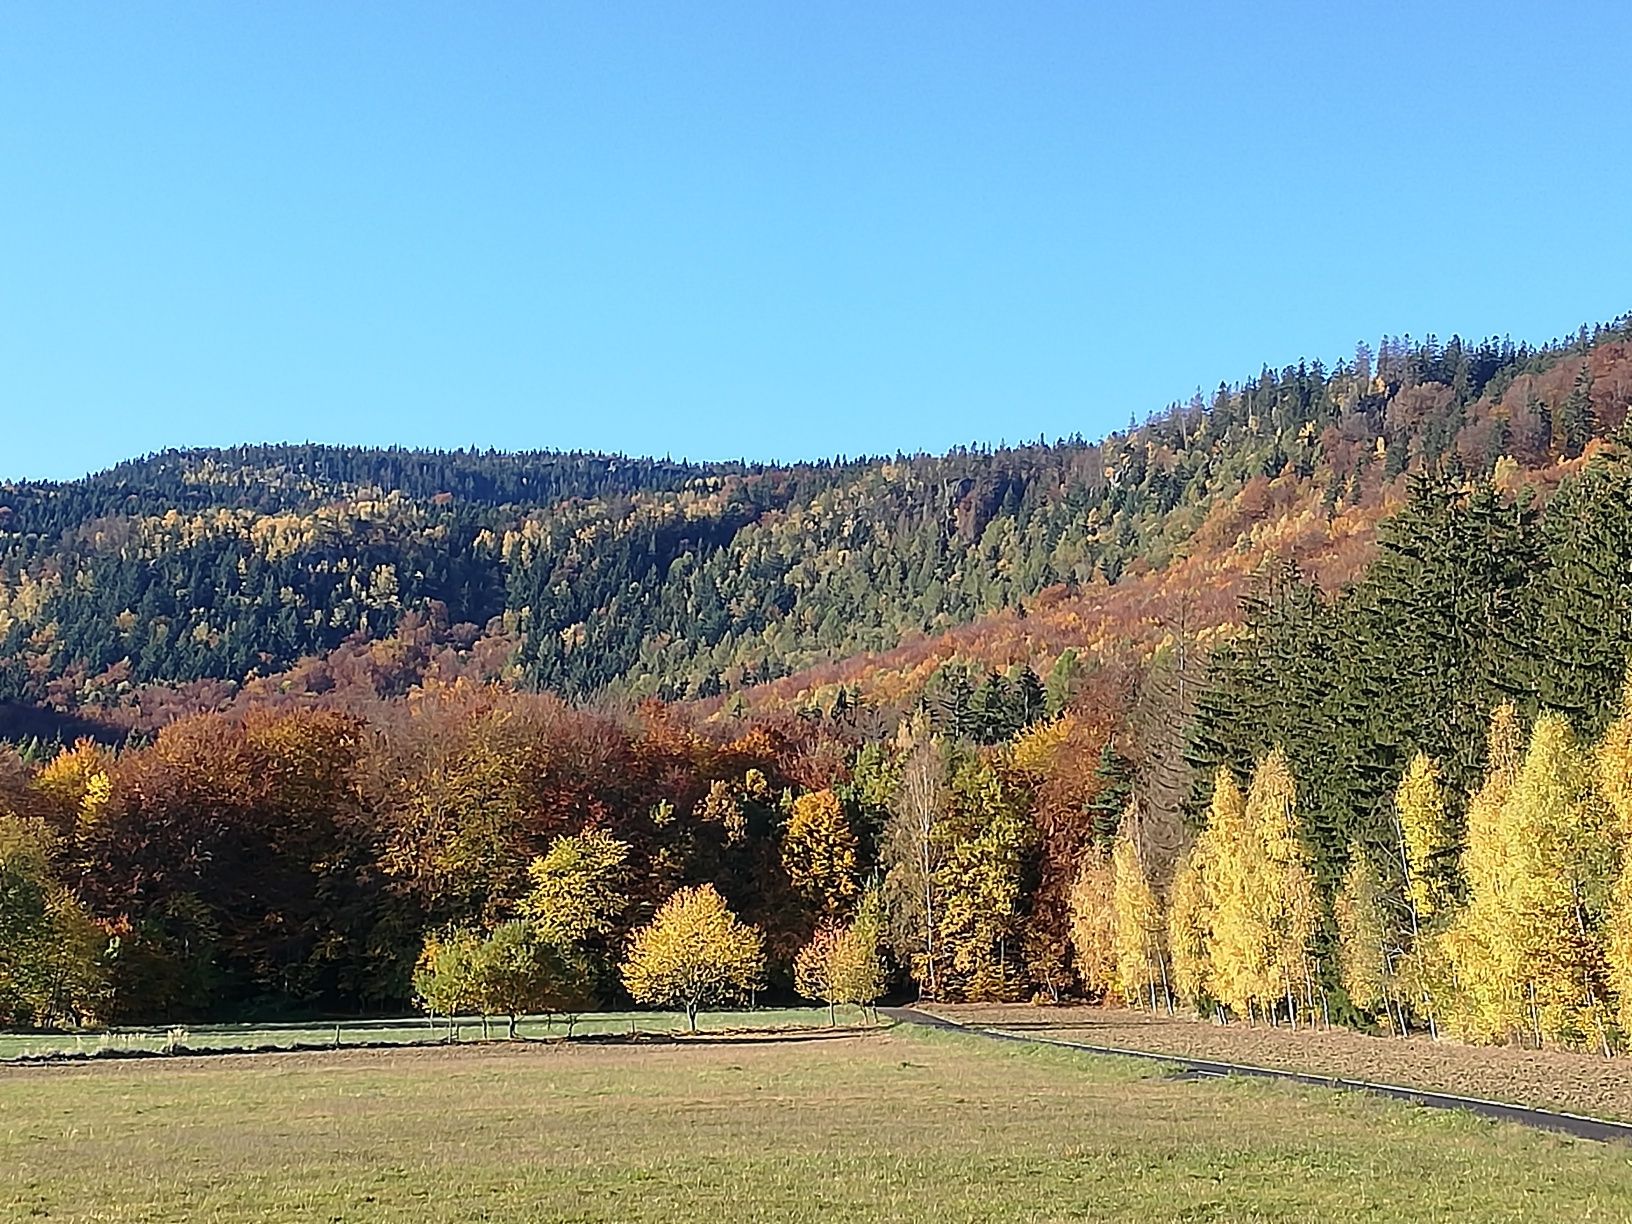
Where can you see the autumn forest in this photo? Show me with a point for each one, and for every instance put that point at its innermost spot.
(1303, 702)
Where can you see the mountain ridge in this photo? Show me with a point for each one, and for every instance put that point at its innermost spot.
(192, 578)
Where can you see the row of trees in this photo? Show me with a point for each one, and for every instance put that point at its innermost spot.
(694, 953)
(1514, 925)
(926, 858)
(486, 850)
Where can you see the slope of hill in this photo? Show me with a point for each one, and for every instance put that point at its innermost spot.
(182, 580)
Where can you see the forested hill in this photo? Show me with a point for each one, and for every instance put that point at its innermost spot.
(178, 581)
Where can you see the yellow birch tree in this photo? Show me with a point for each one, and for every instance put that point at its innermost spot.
(1427, 842)
(1287, 913)
(1236, 951)
(1613, 762)
(1093, 923)
(1189, 927)
(1141, 966)
(1363, 936)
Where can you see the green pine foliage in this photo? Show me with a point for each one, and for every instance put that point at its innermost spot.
(578, 572)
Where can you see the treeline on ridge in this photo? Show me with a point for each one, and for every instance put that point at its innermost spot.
(580, 573)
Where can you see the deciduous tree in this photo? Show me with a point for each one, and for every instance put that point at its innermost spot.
(819, 853)
(694, 953)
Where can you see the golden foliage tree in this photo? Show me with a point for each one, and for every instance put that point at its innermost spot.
(1428, 843)
(1141, 961)
(1365, 961)
(1528, 948)
(77, 781)
(1189, 927)
(1237, 947)
(1480, 1004)
(1613, 765)
(1284, 891)
(820, 851)
(914, 847)
(577, 887)
(1093, 922)
(445, 976)
(52, 955)
(840, 965)
(982, 883)
(694, 953)
(1261, 894)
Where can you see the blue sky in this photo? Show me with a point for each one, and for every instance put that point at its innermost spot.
(768, 230)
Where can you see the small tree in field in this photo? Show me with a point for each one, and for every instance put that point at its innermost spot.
(445, 978)
(517, 971)
(840, 965)
(694, 953)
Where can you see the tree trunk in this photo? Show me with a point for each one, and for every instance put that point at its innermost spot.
(691, 1015)
(512, 1026)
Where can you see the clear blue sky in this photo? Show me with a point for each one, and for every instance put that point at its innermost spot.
(768, 229)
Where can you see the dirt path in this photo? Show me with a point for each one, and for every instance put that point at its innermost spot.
(1539, 1079)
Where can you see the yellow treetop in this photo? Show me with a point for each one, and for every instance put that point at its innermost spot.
(1093, 922)
(577, 887)
(1138, 926)
(840, 965)
(1613, 761)
(1427, 841)
(1238, 952)
(1362, 933)
(77, 781)
(1036, 749)
(1189, 926)
(819, 852)
(694, 953)
(1286, 912)
(1529, 944)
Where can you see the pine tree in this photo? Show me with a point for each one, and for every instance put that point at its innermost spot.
(1576, 422)
(1114, 775)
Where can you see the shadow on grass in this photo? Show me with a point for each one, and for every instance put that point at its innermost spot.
(741, 1037)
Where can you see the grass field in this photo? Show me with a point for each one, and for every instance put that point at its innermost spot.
(872, 1125)
(1548, 1079)
(399, 1032)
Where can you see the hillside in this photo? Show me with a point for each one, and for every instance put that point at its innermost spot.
(1305, 700)
(189, 579)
